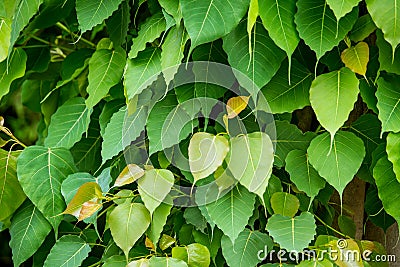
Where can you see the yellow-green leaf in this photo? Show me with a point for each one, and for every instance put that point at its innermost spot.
(236, 105)
(356, 58)
(129, 174)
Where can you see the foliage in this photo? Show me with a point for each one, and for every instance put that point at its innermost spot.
(110, 156)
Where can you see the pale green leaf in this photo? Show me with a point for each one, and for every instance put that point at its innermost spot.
(172, 8)
(138, 263)
(28, 230)
(105, 70)
(252, 16)
(315, 263)
(195, 255)
(142, 71)
(11, 194)
(68, 124)
(341, 88)
(129, 174)
(128, 222)
(302, 174)
(69, 251)
(154, 186)
(244, 251)
(356, 58)
(388, 103)
(338, 164)
(93, 12)
(206, 154)
(108, 111)
(284, 204)
(11, 69)
(251, 161)
(264, 60)
(284, 97)
(158, 220)
(41, 172)
(385, 14)
(387, 61)
(5, 36)
(318, 27)
(209, 20)
(150, 30)
(23, 13)
(393, 152)
(292, 234)
(166, 262)
(232, 211)
(341, 7)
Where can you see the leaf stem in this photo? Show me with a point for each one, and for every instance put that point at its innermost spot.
(9, 133)
(330, 227)
(64, 28)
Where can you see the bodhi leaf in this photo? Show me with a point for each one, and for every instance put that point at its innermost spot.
(69, 251)
(251, 161)
(129, 174)
(11, 194)
(285, 204)
(28, 230)
(341, 89)
(388, 103)
(284, 97)
(386, 15)
(93, 12)
(264, 60)
(68, 124)
(301, 234)
(5, 35)
(252, 16)
(242, 253)
(302, 174)
(209, 20)
(11, 69)
(278, 18)
(195, 255)
(338, 164)
(387, 61)
(342, 7)
(363, 27)
(206, 154)
(149, 31)
(105, 71)
(118, 24)
(158, 220)
(232, 211)
(128, 222)
(393, 152)
(41, 172)
(166, 262)
(235, 105)
(154, 186)
(316, 23)
(356, 58)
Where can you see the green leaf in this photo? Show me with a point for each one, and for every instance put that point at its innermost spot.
(232, 211)
(363, 27)
(69, 251)
(288, 138)
(347, 226)
(393, 152)
(105, 70)
(172, 8)
(302, 174)
(343, 258)
(172, 52)
(338, 164)
(166, 262)
(385, 14)
(142, 71)
(93, 12)
(315, 263)
(11, 194)
(121, 130)
(5, 35)
(150, 30)
(373, 208)
(194, 217)
(128, 222)
(158, 221)
(154, 186)
(138, 263)
(356, 58)
(278, 18)
(284, 97)
(206, 154)
(251, 161)
(68, 124)
(367, 93)
(212, 240)
(244, 251)
(285, 204)
(341, 88)
(201, 18)
(302, 230)
(341, 7)
(316, 24)
(388, 103)
(41, 172)
(11, 69)
(28, 230)
(252, 16)
(195, 255)
(23, 13)
(263, 62)
(387, 61)
(108, 111)
(118, 24)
